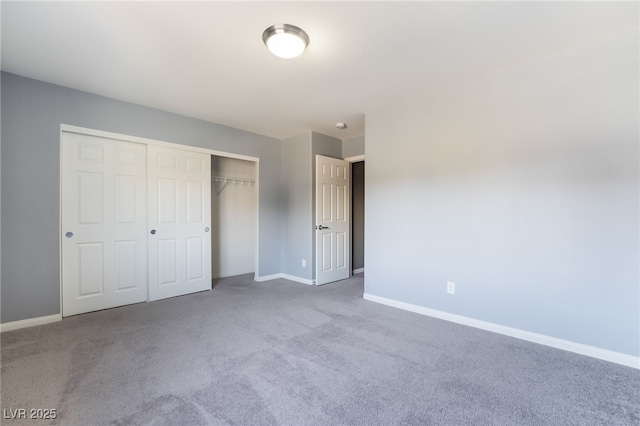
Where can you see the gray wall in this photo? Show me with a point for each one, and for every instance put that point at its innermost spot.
(31, 115)
(297, 226)
(298, 199)
(523, 189)
(353, 146)
(357, 215)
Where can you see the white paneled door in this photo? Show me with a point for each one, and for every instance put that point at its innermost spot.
(103, 223)
(333, 203)
(179, 211)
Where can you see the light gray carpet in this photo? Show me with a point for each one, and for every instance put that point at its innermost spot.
(278, 352)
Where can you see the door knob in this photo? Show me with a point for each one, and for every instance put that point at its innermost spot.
(69, 234)
(206, 229)
(153, 232)
(320, 227)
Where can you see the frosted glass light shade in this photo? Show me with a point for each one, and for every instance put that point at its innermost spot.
(285, 40)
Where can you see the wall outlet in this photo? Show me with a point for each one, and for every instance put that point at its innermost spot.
(451, 288)
(304, 263)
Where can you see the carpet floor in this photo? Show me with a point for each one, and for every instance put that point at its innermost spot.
(282, 353)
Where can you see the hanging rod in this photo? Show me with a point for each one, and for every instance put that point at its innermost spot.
(232, 179)
(228, 180)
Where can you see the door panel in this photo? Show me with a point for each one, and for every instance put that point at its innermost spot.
(126, 265)
(179, 214)
(195, 198)
(90, 198)
(333, 216)
(195, 254)
(167, 208)
(341, 244)
(103, 223)
(167, 261)
(90, 269)
(126, 199)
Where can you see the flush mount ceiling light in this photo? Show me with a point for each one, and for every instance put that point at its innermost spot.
(285, 40)
(340, 125)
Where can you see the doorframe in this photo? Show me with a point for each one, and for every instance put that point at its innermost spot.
(146, 141)
(351, 160)
(355, 158)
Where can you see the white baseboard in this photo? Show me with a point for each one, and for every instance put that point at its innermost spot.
(358, 271)
(567, 345)
(286, 277)
(297, 279)
(267, 277)
(30, 322)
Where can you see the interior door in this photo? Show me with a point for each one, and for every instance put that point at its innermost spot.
(333, 202)
(179, 219)
(103, 223)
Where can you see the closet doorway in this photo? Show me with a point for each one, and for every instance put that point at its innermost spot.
(234, 216)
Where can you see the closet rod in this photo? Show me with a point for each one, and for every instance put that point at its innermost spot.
(228, 180)
(231, 179)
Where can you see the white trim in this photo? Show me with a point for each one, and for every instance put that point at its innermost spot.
(128, 138)
(267, 277)
(297, 279)
(29, 322)
(358, 271)
(286, 277)
(256, 253)
(60, 204)
(567, 345)
(355, 158)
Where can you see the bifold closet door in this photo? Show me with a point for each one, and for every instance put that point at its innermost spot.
(104, 213)
(179, 214)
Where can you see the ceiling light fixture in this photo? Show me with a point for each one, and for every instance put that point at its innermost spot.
(341, 125)
(285, 40)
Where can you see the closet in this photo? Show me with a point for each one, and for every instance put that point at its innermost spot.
(135, 221)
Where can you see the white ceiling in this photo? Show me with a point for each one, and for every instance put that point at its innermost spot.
(207, 59)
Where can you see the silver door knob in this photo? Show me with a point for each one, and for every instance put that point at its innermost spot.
(320, 227)
(69, 234)
(153, 232)
(206, 229)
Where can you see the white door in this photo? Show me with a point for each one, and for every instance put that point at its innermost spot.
(333, 202)
(103, 218)
(179, 220)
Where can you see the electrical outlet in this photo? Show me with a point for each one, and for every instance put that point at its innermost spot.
(451, 288)
(304, 263)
